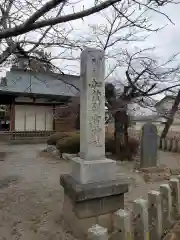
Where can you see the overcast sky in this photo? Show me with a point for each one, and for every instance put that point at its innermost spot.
(166, 41)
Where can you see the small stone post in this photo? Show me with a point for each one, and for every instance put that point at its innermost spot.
(175, 191)
(166, 199)
(155, 215)
(97, 232)
(174, 145)
(122, 222)
(141, 225)
(168, 146)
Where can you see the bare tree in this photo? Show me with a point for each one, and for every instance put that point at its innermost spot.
(145, 78)
(161, 78)
(34, 21)
(170, 116)
(121, 25)
(38, 20)
(31, 25)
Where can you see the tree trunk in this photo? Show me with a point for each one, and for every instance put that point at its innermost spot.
(171, 117)
(118, 134)
(121, 134)
(77, 121)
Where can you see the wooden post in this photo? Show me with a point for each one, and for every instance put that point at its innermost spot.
(35, 120)
(12, 117)
(45, 121)
(24, 121)
(34, 101)
(54, 109)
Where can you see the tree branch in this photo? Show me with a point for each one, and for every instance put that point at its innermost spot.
(40, 12)
(9, 50)
(24, 28)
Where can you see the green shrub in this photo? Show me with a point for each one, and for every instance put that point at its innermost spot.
(71, 144)
(52, 140)
(126, 152)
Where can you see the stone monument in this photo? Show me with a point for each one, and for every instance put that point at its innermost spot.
(91, 191)
(149, 146)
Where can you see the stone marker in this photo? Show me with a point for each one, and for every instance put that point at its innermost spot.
(92, 166)
(91, 190)
(149, 146)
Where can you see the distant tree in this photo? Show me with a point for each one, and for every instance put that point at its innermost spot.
(144, 79)
(170, 116)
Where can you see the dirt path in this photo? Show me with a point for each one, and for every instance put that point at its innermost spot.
(31, 197)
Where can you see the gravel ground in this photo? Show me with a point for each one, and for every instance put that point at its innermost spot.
(31, 198)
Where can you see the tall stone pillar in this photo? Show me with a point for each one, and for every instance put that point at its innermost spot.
(91, 191)
(92, 103)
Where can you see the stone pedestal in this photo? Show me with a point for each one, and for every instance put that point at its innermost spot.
(93, 171)
(88, 204)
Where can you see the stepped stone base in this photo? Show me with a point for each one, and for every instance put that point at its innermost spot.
(92, 203)
(102, 170)
(89, 171)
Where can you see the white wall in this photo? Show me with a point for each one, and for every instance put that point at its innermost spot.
(40, 118)
(19, 117)
(31, 117)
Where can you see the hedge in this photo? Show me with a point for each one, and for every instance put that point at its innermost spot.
(70, 143)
